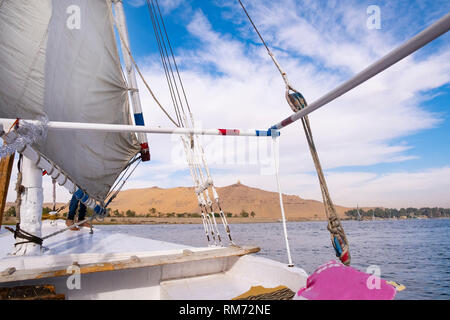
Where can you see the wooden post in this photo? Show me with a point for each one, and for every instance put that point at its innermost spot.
(5, 175)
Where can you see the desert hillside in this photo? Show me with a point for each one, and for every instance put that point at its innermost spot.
(234, 199)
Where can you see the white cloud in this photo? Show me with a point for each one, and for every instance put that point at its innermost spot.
(245, 91)
(427, 188)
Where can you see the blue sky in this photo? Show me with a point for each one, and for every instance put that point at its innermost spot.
(384, 144)
(395, 127)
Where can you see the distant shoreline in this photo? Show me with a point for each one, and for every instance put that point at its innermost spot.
(232, 220)
(177, 220)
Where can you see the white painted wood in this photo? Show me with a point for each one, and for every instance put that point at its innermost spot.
(240, 275)
(30, 208)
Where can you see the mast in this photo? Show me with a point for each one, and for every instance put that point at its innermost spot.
(30, 209)
(131, 76)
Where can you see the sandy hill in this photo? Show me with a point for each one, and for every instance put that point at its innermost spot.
(234, 199)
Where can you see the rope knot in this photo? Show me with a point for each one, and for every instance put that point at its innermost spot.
(22, 234)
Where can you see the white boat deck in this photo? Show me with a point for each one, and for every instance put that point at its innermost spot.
(120, 266)
(100, 251)
(72, 242)
(83, 247)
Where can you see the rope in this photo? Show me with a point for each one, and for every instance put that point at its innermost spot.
(22, 234)
(254, 26)
(174, 61)
(215, 195)
(283, 74)
(164, 63)
(297, 102)
(283, 293)
(124, 171)
(194, 152)
(70, 227)
(173, 87)
(139, 72)
(201, 201)
(338, 238)
(275, 156)
(114, 195)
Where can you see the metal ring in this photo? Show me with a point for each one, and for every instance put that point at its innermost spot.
(23, 149)
(59, 173)
(51, 171)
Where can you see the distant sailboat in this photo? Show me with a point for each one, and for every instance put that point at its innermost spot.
(359, 215)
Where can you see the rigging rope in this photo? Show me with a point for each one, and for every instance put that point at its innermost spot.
(297, 102)
(174, 62)
(202, 204)
(124, 172)
(22, 234)
(122, 39)
(194, 152)
(71, 227)
(276, 157)
(338, 238)
(283, 74)
(114, 195)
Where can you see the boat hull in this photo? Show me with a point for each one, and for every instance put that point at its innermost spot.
(114, 266)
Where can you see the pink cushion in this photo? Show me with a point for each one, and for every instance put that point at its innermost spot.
(334, 281)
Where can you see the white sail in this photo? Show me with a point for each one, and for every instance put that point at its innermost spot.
(59, 59)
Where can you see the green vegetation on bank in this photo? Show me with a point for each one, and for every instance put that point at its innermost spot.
(400, 213)
(153, 213)
(10, 214)
(384, 213)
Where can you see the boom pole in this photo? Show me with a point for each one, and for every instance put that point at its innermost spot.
(60, 125)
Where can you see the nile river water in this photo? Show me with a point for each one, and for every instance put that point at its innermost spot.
(415, 253)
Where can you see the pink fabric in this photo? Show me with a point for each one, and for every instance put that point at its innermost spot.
(334, 281)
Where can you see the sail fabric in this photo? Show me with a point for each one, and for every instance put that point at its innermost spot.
(58, 59)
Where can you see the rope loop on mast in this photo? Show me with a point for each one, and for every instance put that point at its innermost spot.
(22, 234)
